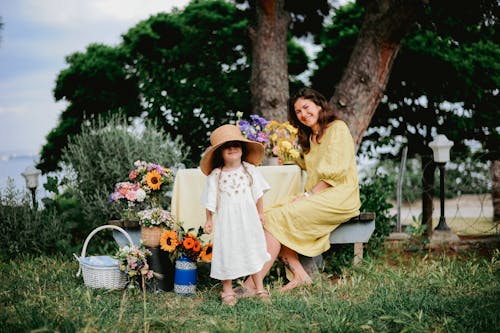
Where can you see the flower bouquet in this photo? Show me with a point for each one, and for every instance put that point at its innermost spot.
(132, 194)
(152, 178)
(181, 243)
(132, 261)
(253, 129)
(145, 185)
(283, 141)
(186, 249)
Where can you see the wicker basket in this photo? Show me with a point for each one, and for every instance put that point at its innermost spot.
(102, 271)
(151, 236)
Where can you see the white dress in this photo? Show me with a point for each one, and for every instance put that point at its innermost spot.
(239, 244)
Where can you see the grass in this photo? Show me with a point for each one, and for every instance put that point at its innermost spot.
(398, 292)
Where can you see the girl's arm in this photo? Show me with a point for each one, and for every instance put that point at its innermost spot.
(208, 224)
(260, 210)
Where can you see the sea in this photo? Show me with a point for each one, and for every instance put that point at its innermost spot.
(11, 167)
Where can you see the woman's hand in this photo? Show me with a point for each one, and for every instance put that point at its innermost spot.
(208, 228)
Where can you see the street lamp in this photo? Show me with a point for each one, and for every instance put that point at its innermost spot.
(31, 175)
(441, 149)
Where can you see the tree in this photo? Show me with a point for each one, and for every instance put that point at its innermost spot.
(271, 25)
(95, 83)
(455, 53)
(188, 70)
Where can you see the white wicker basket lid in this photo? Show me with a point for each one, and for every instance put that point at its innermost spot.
(99, 261)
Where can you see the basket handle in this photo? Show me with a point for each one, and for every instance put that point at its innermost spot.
(107, 226)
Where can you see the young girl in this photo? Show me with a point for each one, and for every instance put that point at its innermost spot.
(234, 209)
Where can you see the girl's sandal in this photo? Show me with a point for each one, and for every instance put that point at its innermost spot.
(229, 299)
(264, 296)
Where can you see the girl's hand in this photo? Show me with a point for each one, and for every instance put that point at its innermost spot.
(208, 227)
(262, 218)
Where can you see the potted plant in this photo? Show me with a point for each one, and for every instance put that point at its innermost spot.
(153, 222)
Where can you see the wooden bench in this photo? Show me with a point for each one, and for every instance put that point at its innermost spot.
(357, 231)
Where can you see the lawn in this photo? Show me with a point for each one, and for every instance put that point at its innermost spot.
(396, 292)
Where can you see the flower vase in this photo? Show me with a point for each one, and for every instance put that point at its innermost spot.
(185, 276)
(271, 160)
(151, 236)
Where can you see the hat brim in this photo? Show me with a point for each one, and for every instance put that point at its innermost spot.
(254, 154)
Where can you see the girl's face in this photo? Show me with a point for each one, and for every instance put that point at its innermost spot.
(307, 111)
(232, 151)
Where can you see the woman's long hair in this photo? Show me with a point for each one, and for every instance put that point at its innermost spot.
(325, 116)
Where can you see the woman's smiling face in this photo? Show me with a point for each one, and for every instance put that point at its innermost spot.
(307, 111)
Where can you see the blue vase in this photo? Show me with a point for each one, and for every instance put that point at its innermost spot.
(185, 276)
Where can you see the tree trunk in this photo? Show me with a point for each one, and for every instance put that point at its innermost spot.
(362, 86)
(495, 189)
(269, 80)
(428, 167)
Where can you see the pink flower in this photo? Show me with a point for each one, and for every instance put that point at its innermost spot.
(133, 174)
(130, 195)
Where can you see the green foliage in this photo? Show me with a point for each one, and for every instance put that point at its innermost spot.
(104, 154)
(26, 230)
(188, 71)
(424, 293)
(452, 91)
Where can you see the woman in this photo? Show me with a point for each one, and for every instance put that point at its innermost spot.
(303, 224)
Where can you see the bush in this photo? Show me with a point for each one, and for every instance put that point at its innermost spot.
(374, 195)
(103, 154)
(27, 230)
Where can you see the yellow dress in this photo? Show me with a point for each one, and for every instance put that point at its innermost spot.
(305, 225)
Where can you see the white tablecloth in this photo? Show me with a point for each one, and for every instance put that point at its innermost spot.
(189, 184)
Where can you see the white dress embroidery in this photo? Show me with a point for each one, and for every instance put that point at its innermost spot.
(239, 245)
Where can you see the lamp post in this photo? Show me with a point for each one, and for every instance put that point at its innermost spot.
(441, 150)
(31, 175)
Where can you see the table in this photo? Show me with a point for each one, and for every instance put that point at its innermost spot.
(285, 180)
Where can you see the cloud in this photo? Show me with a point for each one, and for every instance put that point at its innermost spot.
(36, 38)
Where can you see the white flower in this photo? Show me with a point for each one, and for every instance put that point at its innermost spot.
(140, 195)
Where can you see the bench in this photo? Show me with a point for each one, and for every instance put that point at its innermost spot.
(357, 231)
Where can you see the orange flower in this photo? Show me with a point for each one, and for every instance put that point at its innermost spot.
(197, 246)
(168, 241)
(153, 179)
(188, 242)
(206, 253)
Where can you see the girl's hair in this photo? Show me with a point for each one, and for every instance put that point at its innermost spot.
(325, 116)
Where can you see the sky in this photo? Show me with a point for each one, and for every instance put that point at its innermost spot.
(34, 41)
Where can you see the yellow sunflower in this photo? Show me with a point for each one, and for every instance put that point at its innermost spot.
(206, 253)
(153, 179)
(169, 241)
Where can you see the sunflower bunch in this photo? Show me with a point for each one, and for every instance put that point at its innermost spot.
(186, 243)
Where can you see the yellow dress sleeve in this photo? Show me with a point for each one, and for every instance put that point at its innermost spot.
(335, 156)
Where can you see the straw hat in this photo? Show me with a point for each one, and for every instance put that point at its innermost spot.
(226, 133)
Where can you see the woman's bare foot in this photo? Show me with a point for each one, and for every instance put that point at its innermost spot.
(295, 283)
